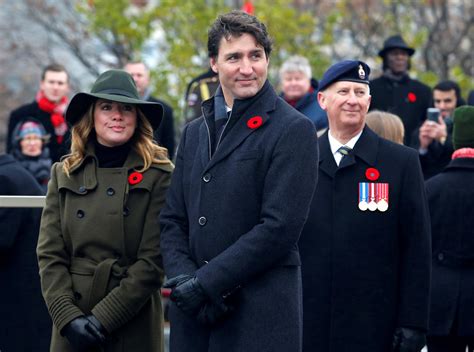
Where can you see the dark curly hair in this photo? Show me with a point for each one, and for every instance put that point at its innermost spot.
(234, 24)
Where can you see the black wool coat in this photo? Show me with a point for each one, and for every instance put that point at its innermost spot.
(365, 272)
(451, 201)
(24, 320)
(408, 98)
(234, 220)
(32, 110)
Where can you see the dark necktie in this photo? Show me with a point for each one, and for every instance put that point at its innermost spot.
(344, 151)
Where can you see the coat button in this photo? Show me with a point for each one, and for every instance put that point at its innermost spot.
(82, 189)
(440, 257)
(110, 191)
(202, 221)
(77, 296)
(126, 211)
(206, 178)
(80, 214)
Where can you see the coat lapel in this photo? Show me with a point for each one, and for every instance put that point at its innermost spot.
(327, 164)
(205, 148)
(366, 149)
(260, 105)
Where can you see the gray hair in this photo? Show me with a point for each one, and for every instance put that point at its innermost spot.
(296, 63)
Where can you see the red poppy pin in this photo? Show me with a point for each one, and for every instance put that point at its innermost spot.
(411, 97)
(254, 122)
(372, 174)
(134, 178)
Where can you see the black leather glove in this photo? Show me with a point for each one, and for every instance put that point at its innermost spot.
(187, 293)
(78, 332)
(96, 329)
(177, 280)
(212, 313)
(408, 340)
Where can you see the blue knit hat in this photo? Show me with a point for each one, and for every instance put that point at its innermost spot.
(29, 127)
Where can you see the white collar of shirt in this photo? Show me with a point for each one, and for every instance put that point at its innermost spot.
(335, 145)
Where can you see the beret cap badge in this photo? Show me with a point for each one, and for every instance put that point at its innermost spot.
(361, 72)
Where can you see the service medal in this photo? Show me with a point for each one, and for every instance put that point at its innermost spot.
(382, 205)
(382, 196)
(363, 195)
(372, 204)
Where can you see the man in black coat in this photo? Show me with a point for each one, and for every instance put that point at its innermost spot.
(24, 320)
(48, 108)
(395, 91)
(451, 201)
(245, 175)
(164, 134)
(365, 249)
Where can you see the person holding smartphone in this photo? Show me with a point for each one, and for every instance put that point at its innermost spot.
(433, 138)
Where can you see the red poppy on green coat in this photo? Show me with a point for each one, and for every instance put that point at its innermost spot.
(372, 174)
(411, 97)
(134, 178)
(254, 122)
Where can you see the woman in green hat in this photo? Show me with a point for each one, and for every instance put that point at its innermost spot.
(99, 243)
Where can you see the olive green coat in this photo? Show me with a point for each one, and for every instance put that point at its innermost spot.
(99, 251)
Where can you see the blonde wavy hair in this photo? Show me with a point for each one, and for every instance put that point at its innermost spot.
(141, 141)
(386, 125)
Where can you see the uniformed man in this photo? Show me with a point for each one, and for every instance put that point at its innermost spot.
(245, 175)
(365, 248)
(201, 88)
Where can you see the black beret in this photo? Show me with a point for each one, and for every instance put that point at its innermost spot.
(347, 70)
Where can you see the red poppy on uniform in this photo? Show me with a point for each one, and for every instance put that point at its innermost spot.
(254, 122)
(134, 178)
(411, 97)
(372, 174)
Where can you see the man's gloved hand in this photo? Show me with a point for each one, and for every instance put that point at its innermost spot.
(212, 313)
(408, 340)
(79, 335)
(187, 293)
(177, 280)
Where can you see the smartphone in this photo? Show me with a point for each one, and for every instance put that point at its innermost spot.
(433, 114)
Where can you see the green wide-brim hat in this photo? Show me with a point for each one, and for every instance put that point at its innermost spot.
(114, 85)
(463, 127)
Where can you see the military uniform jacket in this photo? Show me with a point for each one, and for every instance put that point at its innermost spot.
(450, 197)
(234, 220)
(99, 251)
(365, 272)
(407, 98)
